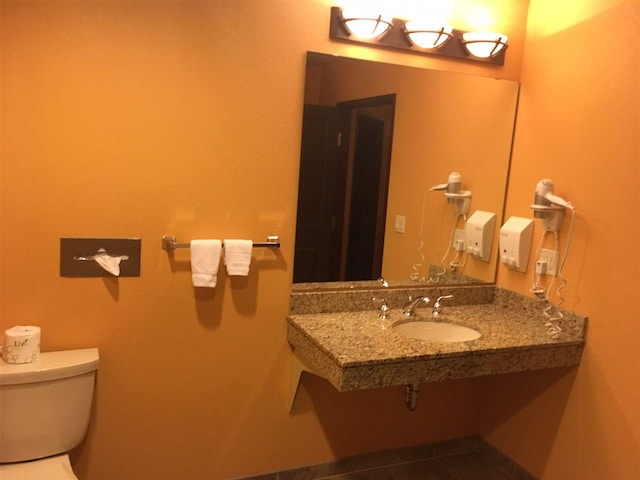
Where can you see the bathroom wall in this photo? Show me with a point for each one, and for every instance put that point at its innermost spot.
(152, 118)
(183, 117)
(579, 125)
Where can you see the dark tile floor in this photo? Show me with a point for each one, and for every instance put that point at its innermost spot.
(465, 466)
(470, 458)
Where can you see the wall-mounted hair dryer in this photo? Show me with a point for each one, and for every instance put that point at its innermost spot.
(461, 199)
(549, 207)
(544, 196)
(453, 185)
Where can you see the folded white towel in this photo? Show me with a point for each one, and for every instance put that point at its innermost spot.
(237, 256)
(205, 260)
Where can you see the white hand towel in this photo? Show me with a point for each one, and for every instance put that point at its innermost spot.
(237, 256)
(205, 260)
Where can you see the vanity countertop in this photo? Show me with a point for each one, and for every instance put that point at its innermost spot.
(357, 350)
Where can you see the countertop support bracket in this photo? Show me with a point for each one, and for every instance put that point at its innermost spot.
(299, 364)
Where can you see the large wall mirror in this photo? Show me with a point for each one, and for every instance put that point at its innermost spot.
(376, 139)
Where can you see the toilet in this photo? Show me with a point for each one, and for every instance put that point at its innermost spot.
(44, 413)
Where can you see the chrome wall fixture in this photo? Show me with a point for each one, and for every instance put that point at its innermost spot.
(170, 242)
(418, 37)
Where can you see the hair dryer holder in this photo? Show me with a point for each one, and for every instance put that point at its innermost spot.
(551, 216)
(460, 200)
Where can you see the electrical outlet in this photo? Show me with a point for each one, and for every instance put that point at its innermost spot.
(459, 239)
(550, 257)
(400, 223)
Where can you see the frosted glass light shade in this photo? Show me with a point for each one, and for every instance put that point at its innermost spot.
(365, 24)
(484, 44)
(428, 35)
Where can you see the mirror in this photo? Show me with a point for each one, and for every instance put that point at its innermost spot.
(401, 130)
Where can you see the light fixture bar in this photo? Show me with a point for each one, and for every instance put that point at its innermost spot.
(396, 38)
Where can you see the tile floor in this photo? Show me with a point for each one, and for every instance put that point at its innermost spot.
(470, 458)
(465, 466)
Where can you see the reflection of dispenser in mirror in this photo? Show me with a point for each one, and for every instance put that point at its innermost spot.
(479, 232)
(515, 243)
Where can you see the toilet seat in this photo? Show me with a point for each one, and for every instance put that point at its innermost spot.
(51, 468)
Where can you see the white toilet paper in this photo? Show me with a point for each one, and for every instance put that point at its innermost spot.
(21, 344)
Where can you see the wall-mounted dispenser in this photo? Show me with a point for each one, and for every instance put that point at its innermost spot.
(515, 243)
(100, 257)
(479, 232)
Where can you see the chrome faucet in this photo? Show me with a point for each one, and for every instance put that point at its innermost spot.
(437, 307)
(412, 304)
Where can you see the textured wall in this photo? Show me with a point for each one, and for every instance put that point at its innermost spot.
(183, 117)
(579, 125)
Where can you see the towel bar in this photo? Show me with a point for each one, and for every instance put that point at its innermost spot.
(170, 242)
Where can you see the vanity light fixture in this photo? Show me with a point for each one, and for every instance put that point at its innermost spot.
(484, 44)
(365, 24)
(428, 36)
(379, 30)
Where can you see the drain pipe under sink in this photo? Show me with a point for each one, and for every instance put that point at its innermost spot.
(411, 395)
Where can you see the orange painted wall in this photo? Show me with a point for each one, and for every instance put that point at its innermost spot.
(183, 117)
(579, 125)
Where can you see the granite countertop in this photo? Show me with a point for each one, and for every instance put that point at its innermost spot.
(358, 350)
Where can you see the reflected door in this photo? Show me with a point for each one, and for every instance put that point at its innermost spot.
(316, 222)
(343, 189)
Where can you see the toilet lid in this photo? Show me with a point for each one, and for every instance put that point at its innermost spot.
(52, 468)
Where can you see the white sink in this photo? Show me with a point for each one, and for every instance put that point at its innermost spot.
(436, 331)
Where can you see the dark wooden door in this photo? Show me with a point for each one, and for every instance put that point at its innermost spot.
(315, 224)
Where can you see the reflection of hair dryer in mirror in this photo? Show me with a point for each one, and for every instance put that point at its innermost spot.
(453, 185)
(461, 199)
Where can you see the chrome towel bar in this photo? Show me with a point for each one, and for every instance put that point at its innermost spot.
(170, 242)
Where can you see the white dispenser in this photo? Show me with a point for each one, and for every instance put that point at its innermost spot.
(515, 243)
(479, 231)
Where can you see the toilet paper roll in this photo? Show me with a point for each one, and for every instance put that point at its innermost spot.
(21, 344)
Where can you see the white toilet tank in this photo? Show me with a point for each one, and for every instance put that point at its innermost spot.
(45, 405)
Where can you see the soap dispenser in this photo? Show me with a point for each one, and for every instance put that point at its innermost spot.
(479, 232)
(515, 243)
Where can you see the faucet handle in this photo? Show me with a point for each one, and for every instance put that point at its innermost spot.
(384, 308)
(408, 302)
(437, 307)
(438, 303)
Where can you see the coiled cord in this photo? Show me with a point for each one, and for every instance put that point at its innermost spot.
(415, 275)
(552, 311)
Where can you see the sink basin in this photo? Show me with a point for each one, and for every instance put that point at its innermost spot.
(436, 331)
